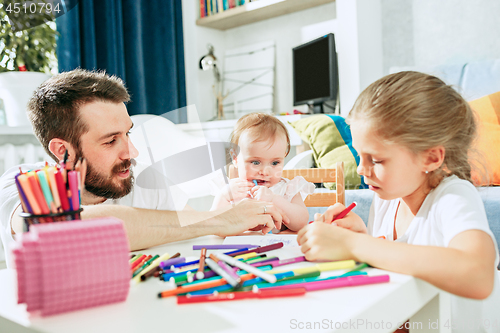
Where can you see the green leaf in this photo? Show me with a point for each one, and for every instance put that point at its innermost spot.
(23, 45)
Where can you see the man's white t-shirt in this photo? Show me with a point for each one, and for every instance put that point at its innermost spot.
(142, 196)
(451, 208)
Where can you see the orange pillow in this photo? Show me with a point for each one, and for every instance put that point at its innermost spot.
(488, 143)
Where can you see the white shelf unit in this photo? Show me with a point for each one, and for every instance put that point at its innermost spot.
(256, 11)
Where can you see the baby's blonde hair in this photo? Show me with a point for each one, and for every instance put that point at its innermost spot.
(420, 111)
(261, 126)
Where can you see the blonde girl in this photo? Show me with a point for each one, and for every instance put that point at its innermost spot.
(413, 134)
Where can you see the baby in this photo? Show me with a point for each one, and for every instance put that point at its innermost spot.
(260, 144)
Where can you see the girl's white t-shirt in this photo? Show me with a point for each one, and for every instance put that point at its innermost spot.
(451, 208)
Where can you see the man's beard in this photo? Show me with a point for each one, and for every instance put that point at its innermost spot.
(104, 187)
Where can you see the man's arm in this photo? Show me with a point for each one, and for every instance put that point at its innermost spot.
(146, 227)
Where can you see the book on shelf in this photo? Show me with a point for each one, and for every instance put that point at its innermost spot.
(203, 12)
(212, 7)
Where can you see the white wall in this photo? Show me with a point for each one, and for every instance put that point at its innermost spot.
(371, 37)
(199, 83)
(428, 33)
(286, 31)
(358, 34)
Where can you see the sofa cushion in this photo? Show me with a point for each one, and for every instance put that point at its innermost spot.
(488, 110)
(330, 139)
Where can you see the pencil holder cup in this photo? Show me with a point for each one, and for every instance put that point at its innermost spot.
(30, 219)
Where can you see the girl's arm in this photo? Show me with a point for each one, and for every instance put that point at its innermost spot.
(465, 268)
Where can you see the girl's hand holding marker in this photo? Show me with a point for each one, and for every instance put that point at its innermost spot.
(341, 216)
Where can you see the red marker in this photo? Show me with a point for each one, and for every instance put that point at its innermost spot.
(345, 211)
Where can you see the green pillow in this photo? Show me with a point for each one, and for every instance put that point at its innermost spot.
(330, 139)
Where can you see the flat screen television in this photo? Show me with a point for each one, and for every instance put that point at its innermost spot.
(315, 74)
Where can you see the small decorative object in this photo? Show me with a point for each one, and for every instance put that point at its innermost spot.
(220, 98)
(209, 62)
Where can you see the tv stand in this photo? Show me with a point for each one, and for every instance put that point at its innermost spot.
(316, 108)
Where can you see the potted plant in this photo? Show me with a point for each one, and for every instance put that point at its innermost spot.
(27, 58)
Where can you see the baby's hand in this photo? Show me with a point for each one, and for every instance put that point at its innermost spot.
(237, 189)
(262, 193)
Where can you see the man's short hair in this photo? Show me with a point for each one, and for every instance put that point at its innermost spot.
(54, 107)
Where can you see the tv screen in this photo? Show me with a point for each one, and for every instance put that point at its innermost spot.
(315, 74)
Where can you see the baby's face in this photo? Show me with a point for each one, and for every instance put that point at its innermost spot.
(261, 160)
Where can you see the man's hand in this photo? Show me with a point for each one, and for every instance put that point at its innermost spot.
(249, 214)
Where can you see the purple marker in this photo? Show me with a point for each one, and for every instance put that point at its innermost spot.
(288, 261)
(23, 196)
(210, 274)
(224, 247)
(197, 261)
(261, 249)
(167, 263)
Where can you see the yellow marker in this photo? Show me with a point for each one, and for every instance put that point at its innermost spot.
(322, 267)
(153, 265)
(135, 258)
(246, 256)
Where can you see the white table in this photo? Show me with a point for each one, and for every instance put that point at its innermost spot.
(367, 308)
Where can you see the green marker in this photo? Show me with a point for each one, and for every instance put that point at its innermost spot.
(303, 276)
(42, 178)
(181, 278)
(255, 260)
(143, 267)
(360, 267)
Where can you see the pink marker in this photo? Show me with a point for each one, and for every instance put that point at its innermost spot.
(288, 261)
(348, 281)
(73, 186)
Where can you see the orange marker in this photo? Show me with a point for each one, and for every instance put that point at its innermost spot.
(140, 262)
(137, 262)
(200, 273)
(25, 184)
(53, 187)
(200, 286)
(37, 192)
